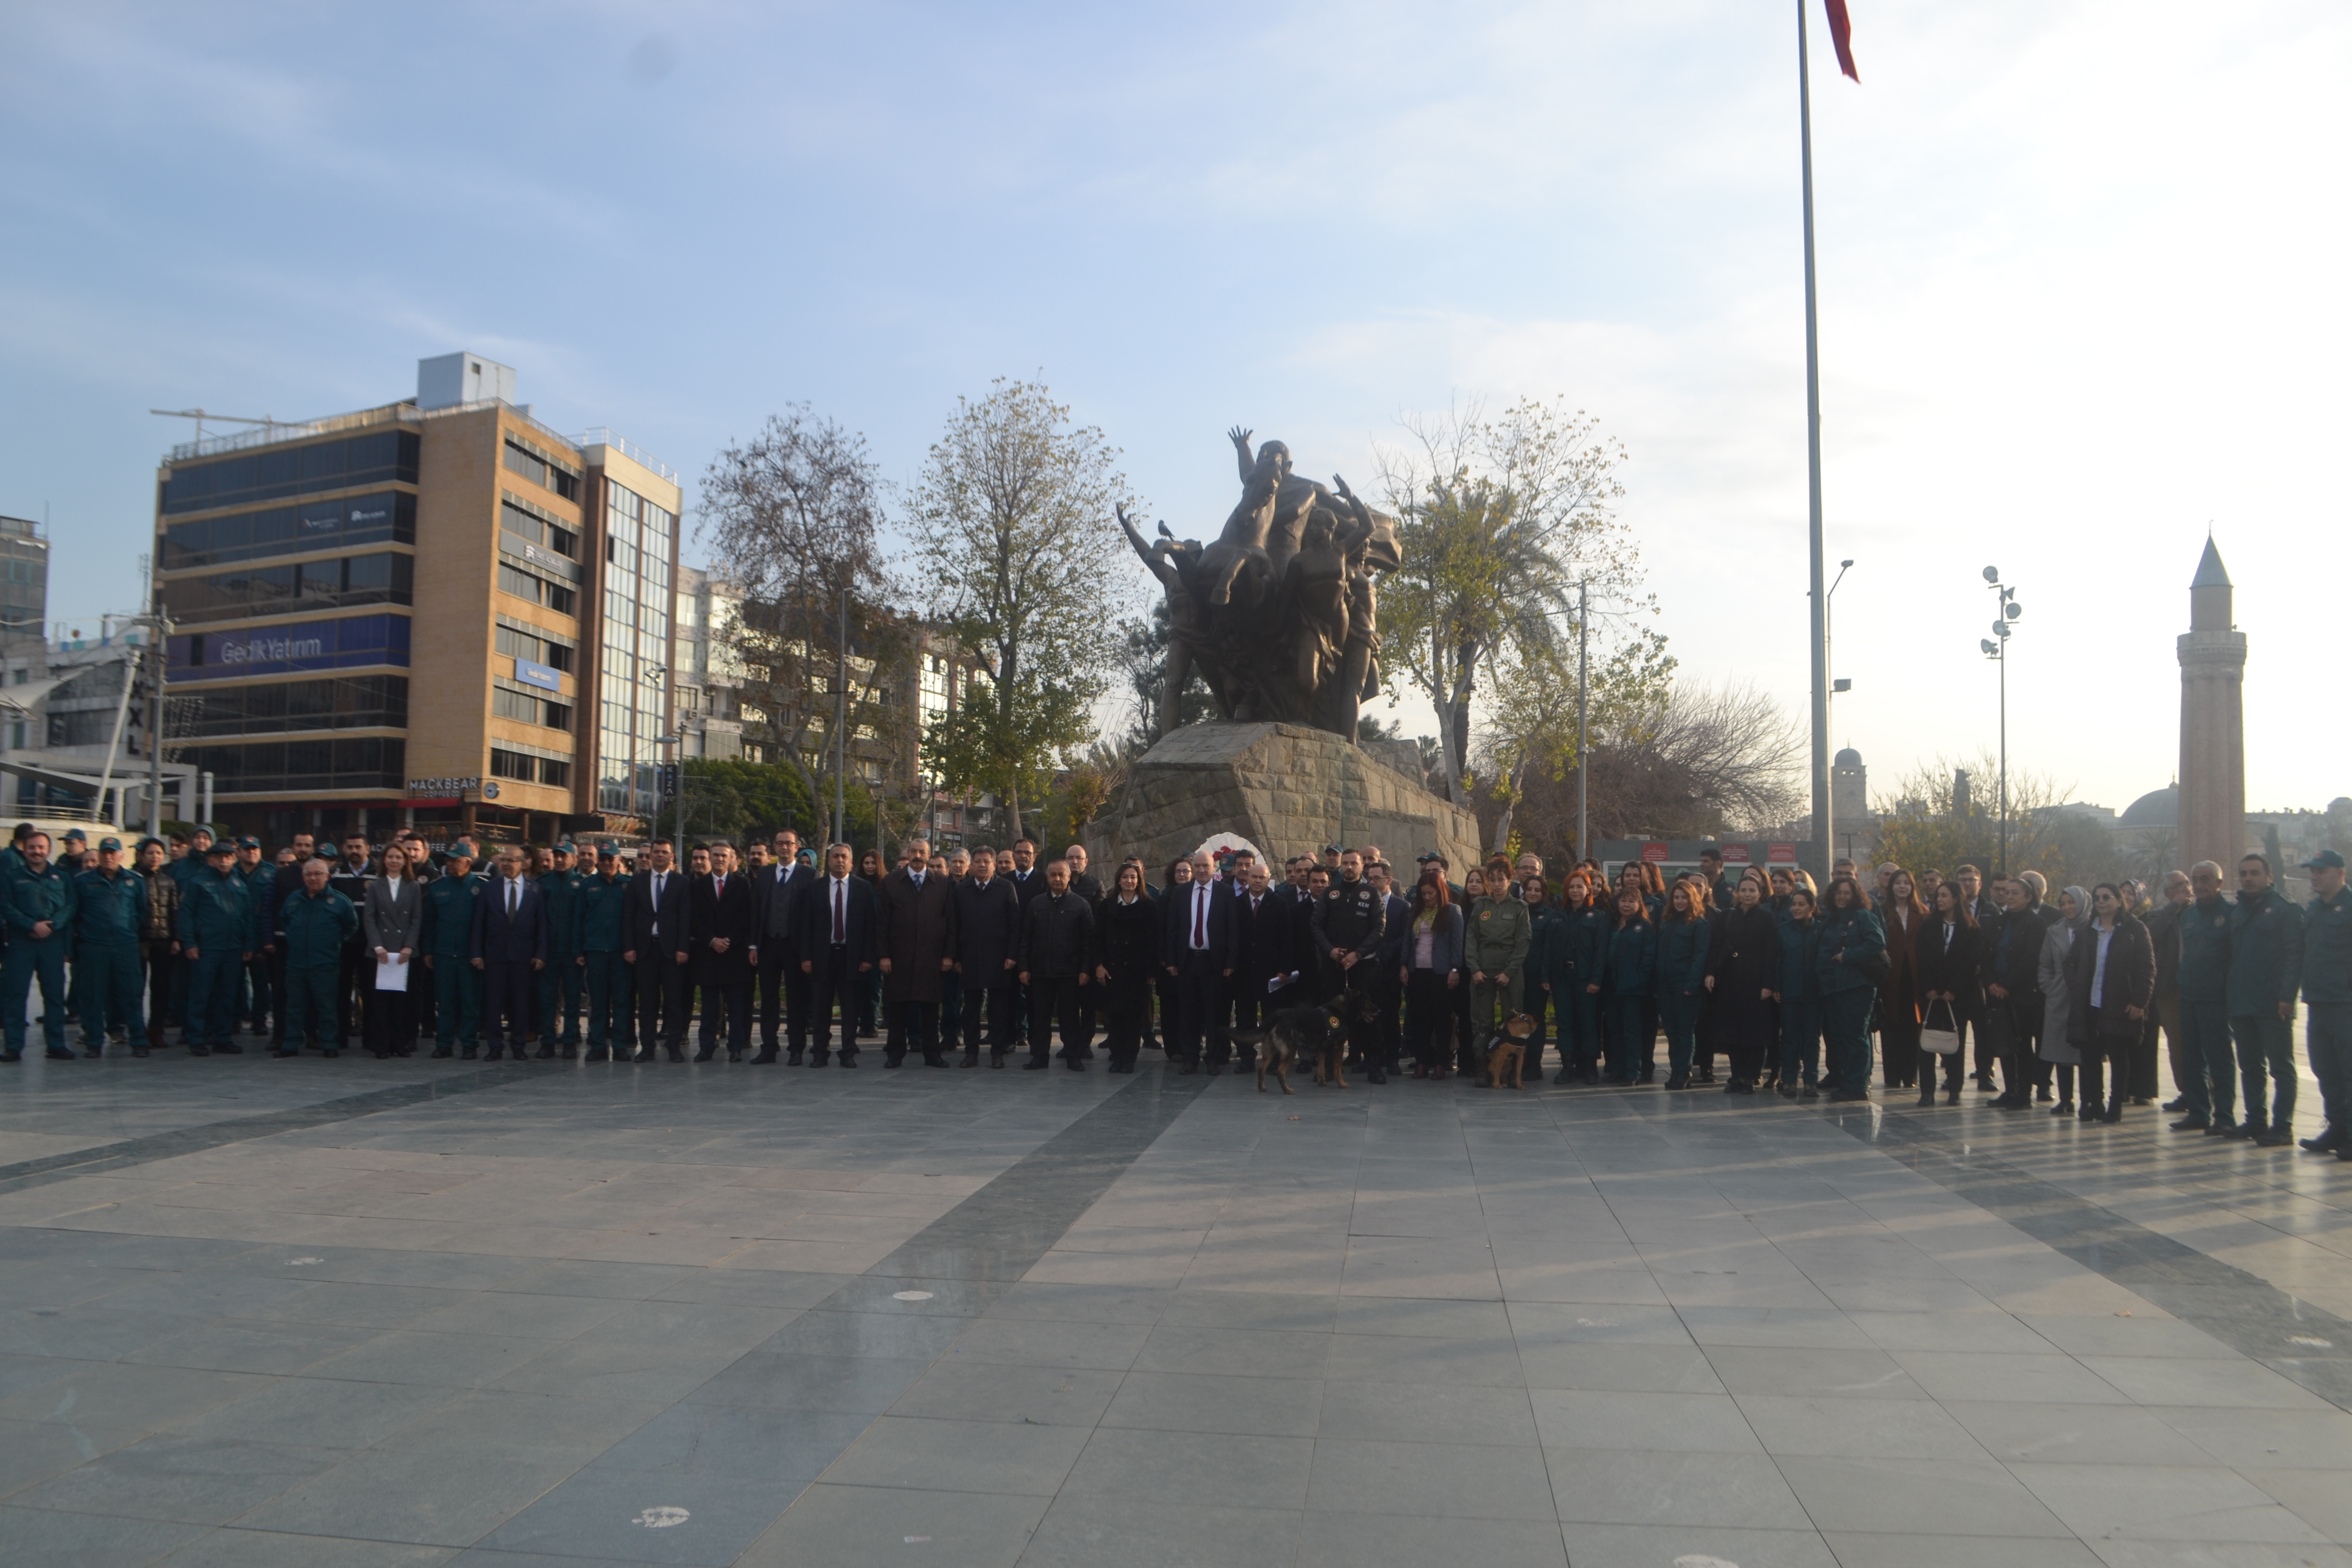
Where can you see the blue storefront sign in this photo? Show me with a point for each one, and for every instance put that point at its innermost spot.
(285, 649)
(540, 675)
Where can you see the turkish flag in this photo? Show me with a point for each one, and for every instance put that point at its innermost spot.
(1842, 38)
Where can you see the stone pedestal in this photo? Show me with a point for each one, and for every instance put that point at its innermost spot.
(1287, 788)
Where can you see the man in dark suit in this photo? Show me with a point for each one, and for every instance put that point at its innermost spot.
(725, 920)
(837, 948)
(776, 891)
(987, 930)
(1386, 983)
(657, 922)
(1199, 954)
(1265, 961)
(917, 946)
(509, 947)
(1028, 878)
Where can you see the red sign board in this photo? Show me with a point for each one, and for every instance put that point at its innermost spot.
(1781, 854)
(1654, 850)
(1735, 854)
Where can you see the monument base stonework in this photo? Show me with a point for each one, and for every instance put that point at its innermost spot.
(1287, 788)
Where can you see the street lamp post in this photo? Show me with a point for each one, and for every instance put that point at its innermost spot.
(654, 676)
(1829, 638)
(1996, 648)
(1583, 741)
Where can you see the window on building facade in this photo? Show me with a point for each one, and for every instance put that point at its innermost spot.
(347, 464)
(542, 470)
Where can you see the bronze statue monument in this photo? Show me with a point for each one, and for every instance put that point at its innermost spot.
(1278, 613)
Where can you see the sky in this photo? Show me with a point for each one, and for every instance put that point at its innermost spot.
(2081, 285)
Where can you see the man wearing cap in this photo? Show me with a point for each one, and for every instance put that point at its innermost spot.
(257, 988)
(601, 910)
(559, 981)
(109, 914)
(448, 953)
(317, 924)
(2327, 993)
(36, 906)
(216, 935)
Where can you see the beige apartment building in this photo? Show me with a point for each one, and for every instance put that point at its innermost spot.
(437, 613)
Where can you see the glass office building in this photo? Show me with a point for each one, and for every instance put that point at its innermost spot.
(632, 680)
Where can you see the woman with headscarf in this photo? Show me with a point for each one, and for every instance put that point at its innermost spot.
(2073, 914)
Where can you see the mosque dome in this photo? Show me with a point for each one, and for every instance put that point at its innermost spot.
(2157, 808)
(1848, 758)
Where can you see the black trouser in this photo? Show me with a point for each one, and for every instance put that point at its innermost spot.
(1898, 1049)
(2100, 1088)
(1429, 1018)
(160, 960)
(262, 984)
(1055, 1000)
(351, 987)
(276, 958)
(392, 1018)
(783, 988)
(661, 1002)
(509, 1000)
(1200, 992)
(1386, 1034)
(1128, 1009)
(725, 1004)
(835, 983)
(913, 1025)
(991, 1010)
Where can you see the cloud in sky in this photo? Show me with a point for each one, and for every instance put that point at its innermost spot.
(2080, 282)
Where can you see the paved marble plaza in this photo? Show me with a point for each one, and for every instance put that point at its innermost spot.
(261, 1313)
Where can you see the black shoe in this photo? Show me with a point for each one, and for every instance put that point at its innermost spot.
(442, 1053)
(2192, 1124)
(2043, 1095)
(996, 1059)
(471, 1053)
(546, 1053)
(793, 1058)
(849, 1059)
(1679, 1080)
(971, 1060)
(92, 1053)
(228, 1049)
(139, 1053)
(282, 1054)
(332, 1052)
(819, 1060)
(2221, 1127)
(734, 1055)
(1034, 1065)
(498, 1054)
(1849, 1095)
(676, 1053)
(1787, 1092)
(2252, 1131)
(194, 1050)
(597, 1054)
(645, 1056)
(1952, 1097)
(765, 1058)
(1740, 1086)
(2063, 1107)
(2344, 1152)
(2114, 1112)
(1927, 1095)
(703, 1056)
(2325, 1143)
(2176, 1104)
(890, 1064)
(2088, 1113)
(1806, 1094)
(1565, 1074)
(60, 1053)
(569, 1054)
(2276, 1138)
(1075, 1064)
(935, 1060)
(1372, 1075)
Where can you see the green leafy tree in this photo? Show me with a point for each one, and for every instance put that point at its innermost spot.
(1499, 522)
(1016, 519)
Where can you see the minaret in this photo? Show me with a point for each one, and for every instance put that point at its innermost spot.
(2212, 723)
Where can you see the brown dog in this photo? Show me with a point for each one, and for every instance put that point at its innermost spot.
(1276, 1048)
(1507, 1053)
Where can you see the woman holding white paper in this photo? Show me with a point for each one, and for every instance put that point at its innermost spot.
(391, 919)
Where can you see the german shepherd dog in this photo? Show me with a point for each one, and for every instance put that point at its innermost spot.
(1295, 1033)
(1507, 1052)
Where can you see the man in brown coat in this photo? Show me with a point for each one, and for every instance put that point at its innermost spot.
(917, 943)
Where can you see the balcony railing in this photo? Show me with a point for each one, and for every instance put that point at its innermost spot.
(603, 436)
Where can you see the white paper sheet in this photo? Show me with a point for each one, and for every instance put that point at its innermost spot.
(391, 972)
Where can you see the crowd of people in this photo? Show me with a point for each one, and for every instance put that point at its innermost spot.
(550, 952)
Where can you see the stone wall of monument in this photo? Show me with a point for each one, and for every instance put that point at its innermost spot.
(1286, 788)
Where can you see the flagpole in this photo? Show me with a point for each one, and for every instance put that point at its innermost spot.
(1823, 827)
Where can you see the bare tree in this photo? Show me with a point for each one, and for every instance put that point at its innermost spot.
(1699, 762)
(794, 517)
